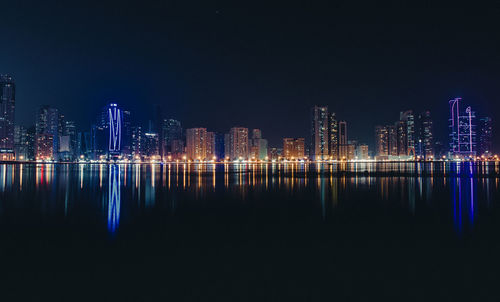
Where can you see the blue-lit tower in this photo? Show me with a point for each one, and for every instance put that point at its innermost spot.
(115, 117)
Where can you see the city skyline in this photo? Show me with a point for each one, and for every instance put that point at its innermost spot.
(114, 134)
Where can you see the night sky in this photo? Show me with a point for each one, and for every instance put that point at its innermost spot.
(219, 64)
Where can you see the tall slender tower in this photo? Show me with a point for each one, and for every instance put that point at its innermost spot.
(343, 140)
(319, 133)
(7, 110)
(334, 136)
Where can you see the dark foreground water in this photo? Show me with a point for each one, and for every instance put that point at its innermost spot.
(250, 232)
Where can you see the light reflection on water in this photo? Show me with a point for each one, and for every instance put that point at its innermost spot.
(131, 189)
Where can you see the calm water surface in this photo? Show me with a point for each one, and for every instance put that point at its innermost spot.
(251, 232)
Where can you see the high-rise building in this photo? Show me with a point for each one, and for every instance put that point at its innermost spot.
(238, 143)
(20, 143)
(362, 151)
(172, 130)
(196, 143)
(351, 151)
(293, 148)
(7, 115)
(31, 142)
(485, 136)
(258, 145)
(408, 118)
(150, 145)
(210, 149)
(68, 140)
(425, 136)
(393, 140)
(319, 133)
(381, 141)
(343, 141)
(44, 146)
(126, 139)
(402, 138)
(334, 136)
(47, 130)
(136, 142)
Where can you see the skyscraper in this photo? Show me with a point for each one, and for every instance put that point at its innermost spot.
(392, 140)
(485, 136)
(319, 133)
(425, 135)
(210, 148)
(258, 145)
(343, 141)
(47, 130)
(408, 118)
(238, 143)
(402, 138)
(334, 136)
(7, 115)
(196, 143)
(20, 142)
(172, 130)
(381, 141)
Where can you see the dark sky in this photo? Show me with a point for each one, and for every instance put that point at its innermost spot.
(218, 64)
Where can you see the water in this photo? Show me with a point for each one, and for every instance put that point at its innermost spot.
(251, 232)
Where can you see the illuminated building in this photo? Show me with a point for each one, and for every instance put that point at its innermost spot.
(343, 140)
(44, 146)
(150, 145)
(84, 144)
(177, 148)
(319, 133)
(485, 136)
(210, 149)
(392, 140)
(425, 136)
(136, 142)
(7, 115)
(402, 138)
(238, 143)
(462, 130)
(258, 148)
(115, 118)
(381, 141)
(293, 148)
(31, 143)
(67, 140)
(172, 131)
(351, 151)
(126, 148)
(362, 151)
(196, 144)
(408, 118)
(20, 142)
(47, 129)
(334, 136)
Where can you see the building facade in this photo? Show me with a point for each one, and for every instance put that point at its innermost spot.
(7, 115)
(293, 148)
(238, 143)
(319, 133)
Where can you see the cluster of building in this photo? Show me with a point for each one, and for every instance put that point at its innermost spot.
(409, 137)
(329, 140)
(113, 136)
